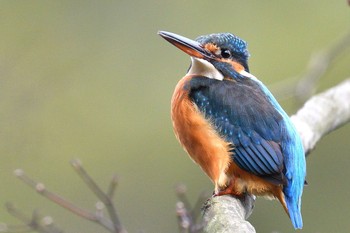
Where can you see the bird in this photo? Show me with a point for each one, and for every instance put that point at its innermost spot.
(232, 126)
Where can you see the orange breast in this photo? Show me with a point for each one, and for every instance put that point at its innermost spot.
(198, 137)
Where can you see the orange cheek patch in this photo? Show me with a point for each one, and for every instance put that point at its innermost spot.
(236, 66)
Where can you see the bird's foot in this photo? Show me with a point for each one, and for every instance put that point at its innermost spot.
(231, 189)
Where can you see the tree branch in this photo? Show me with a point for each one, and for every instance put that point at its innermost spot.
(112, 224)
(227, 214)
(33, 223)
(188, 217)
(319, 116)
(104, 197)
(303, 86)
(322, 114)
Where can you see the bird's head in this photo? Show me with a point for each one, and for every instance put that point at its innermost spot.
(216, 56)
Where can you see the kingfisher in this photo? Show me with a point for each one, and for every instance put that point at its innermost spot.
(233, 127)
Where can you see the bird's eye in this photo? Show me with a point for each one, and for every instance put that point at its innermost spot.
(225, 53)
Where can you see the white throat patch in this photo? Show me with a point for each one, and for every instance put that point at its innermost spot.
(204, 68)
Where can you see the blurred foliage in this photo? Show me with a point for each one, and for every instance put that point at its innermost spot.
(92, 80)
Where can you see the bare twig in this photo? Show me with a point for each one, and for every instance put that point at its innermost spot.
(113, 224)
(183, 217)
(33, 223)
(40, 188)
(189, 220)
(304, 86)
(112, 186)
(180, 191)
(105, 199)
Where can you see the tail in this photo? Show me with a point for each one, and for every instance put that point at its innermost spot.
(292, 207)
(294, 211)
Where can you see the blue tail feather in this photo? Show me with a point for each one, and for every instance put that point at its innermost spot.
(294, 209)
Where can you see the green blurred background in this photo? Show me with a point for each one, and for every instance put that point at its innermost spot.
(93, 80)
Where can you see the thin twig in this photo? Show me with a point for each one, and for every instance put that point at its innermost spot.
(31, 223)
(180, 191)
(304, 86)
(317, 67)
(183, 218)
(11, 209)
(112, 225)
(184, 209)
(188, 217)
(40, 188)
(100, 194)
(112, 186)
(49, 223)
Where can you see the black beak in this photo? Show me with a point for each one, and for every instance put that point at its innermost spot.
(191, 47)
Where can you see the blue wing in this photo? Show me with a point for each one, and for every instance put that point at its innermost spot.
(243, 115)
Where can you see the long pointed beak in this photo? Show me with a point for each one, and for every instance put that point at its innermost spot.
(191, 47)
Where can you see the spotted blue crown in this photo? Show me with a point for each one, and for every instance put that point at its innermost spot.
(228, 41)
